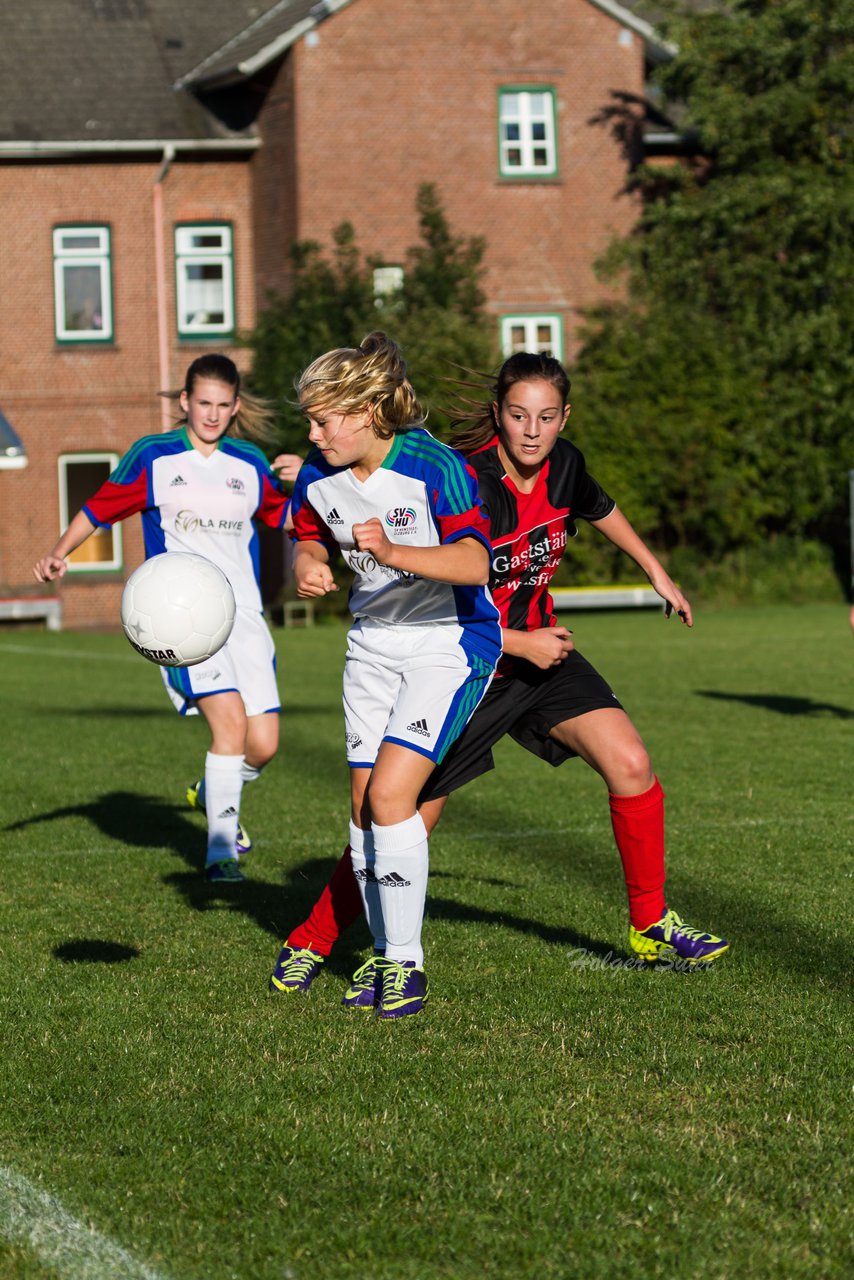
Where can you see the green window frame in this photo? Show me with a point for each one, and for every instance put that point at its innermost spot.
(527, 131)
(204, 280)
(532, 331)
(81, 475)
(82, 283)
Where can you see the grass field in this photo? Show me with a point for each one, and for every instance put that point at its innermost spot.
(555, 1112)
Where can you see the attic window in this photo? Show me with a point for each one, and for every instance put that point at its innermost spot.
(526, 132)
(542, 333)
(82, 286)
(204, 280)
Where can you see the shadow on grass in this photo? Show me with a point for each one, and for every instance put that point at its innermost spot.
(138, 821)
(94, 951)
(784, 704)
(142, 822)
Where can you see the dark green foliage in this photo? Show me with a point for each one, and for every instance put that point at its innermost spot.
(437, 317)
(720, 394)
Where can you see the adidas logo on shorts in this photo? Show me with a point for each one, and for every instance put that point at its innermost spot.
(419, 726)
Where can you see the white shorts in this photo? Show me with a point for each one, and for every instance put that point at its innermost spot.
(245, 663)
(414, 685)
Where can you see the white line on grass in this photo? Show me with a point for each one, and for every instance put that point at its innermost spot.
(67, 653)
(35, 1218)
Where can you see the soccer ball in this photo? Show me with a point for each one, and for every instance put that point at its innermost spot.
(177, 609)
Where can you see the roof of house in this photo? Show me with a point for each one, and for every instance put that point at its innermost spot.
(119, 75)
(98, 71)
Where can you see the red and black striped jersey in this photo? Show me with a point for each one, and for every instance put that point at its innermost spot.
(529, 530)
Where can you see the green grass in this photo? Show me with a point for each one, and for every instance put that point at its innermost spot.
(550, 1114)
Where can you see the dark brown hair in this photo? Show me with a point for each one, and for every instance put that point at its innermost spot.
(473, 422)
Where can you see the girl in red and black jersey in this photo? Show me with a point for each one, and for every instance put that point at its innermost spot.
(546, 696)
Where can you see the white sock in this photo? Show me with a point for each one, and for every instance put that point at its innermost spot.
(400, 867)
(223, 785)
(362, 857)
(248, 772)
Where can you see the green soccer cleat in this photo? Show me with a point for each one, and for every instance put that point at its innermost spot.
(225, 872)
(365, 985)
(669, 938)
(243, 843)
(296, 969)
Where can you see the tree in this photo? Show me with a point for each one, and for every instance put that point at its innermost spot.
(437, 317)
(722, 388)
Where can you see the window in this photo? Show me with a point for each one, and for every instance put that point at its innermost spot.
(532, 333)
(526, 133)
(80, 474)
(204, 270)
(82, 289)
(388, 281)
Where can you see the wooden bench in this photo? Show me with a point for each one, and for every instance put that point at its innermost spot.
(32, 608)
(606, 598)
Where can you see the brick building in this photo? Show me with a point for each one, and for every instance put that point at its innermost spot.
(157, 158)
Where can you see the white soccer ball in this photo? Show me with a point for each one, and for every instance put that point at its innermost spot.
(177, 609)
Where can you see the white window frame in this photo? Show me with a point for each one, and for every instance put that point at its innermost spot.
(187, 255)
(64, 462)
(531, 321)
(387, 282)
(99, 258)
(516, 107)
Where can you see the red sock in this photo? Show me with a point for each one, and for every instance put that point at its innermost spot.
(335, 910)
(638, 823)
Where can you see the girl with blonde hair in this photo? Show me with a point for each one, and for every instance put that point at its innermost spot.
(404, 512)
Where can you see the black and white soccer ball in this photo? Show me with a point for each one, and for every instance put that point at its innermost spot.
(177, 609)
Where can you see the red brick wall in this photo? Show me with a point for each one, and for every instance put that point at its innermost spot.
(393, 95)
(65, 399)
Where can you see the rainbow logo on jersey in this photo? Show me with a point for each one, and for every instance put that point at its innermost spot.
(401, 519)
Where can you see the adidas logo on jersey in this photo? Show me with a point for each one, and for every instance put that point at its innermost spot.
(419, 726)
(393, 881)
(332, 517)
(177, 480)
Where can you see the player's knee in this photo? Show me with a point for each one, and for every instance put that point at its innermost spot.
(635, 769)
(387, 804)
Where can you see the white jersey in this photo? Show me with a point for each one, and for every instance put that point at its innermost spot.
(190, 502)
(425, 495)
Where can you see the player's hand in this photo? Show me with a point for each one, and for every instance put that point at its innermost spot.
(49, 568)
(313, 579)
(287, 466)
(548, 646)
(371, 537)
(672, 596)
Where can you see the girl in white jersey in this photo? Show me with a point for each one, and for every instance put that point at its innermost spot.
(403, 510)
(199, 488)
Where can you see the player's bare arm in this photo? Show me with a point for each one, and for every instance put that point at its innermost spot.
(465, 562)
(286, 466)
(617, 529)
(312, 572)
(545, 647)
(54, 564)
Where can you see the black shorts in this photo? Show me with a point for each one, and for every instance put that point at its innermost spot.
(526, 704)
